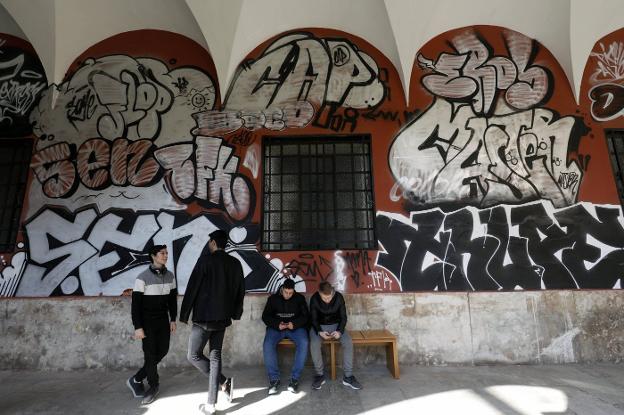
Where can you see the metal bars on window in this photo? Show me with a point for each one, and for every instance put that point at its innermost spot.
(317, 194)
(615, 142)
(14, 164)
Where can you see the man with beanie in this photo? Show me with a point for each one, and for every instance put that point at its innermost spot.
(154, 310)
(328, 315)
(214, 294)
(286, 316)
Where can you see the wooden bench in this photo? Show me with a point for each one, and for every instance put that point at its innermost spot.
(363, 338)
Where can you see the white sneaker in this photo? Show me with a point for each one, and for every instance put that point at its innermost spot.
(208, 408)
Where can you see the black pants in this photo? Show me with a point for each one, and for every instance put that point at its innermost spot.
(211, 366)
(155, 347)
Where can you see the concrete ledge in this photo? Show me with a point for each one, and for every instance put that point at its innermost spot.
(433, 328)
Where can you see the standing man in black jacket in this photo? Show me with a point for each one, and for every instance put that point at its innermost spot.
(214, 293)
(286, 316)
(329, 319)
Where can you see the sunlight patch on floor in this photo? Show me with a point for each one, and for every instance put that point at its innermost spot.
(191, 403)
(493, 400)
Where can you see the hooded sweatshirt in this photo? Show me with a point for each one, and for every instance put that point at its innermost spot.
(278, 309)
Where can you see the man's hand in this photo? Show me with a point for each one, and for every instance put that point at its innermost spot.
(283, 326)
(290, 326)
(139, 334)
(172, 326)
(336, 334)
(324, 335)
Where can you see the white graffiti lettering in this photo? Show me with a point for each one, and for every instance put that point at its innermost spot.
(452, 155)
(472, 74)
(280, 88)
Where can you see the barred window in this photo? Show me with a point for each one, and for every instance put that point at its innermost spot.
(317, 194)
(615, 142)
(14, 164)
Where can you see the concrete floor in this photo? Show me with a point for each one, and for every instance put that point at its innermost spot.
(517, 390)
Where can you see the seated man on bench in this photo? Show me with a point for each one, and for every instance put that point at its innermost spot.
(329, 317)
(286, 316)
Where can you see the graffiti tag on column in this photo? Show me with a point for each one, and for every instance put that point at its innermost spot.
(296, 73)
(607, 97)
(22, 80)
(534, 246)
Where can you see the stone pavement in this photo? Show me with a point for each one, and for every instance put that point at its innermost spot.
(594, 389)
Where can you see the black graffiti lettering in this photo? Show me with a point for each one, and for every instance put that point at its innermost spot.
(407, 261)
(358, 265)
(242, 137)
(384, 115)
(332, 116)
(518, 271)
(472, 249)
(545, 239)
(309, 267)
(81, 108)
(581, 227)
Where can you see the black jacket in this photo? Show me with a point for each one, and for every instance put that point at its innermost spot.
(278, 309)
(333, 313)
(215, 290)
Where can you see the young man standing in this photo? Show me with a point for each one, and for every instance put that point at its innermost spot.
(154, 310)
(286, 316)
(214, 294)
(329, 319)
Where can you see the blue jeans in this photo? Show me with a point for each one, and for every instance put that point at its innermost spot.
(271, 338)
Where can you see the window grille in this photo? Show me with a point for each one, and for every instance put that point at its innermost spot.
(317, 194)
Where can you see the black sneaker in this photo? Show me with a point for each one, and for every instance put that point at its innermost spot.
(352, 382)
(228, 388)
(293, 386)
(319, 380)
(137, 388)
(274, 387)
(150, 395)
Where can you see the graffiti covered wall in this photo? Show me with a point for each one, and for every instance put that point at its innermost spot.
(22, 81)
(134, 148)
(493, 172)
(487, 181)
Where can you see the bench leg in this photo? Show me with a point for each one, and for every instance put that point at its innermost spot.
(332, 358)
(392, 359)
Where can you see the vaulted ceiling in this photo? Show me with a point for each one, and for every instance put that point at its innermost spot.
(60, 30)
